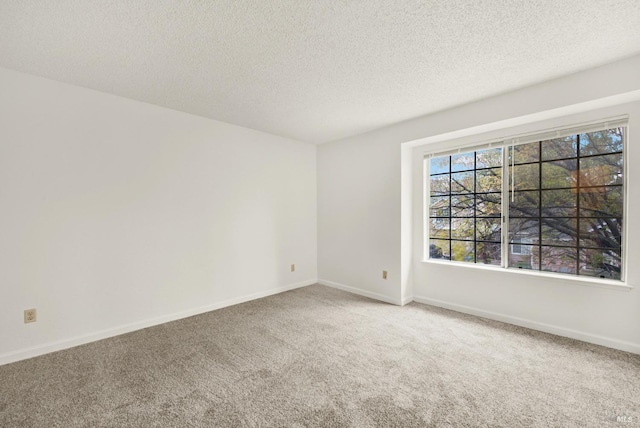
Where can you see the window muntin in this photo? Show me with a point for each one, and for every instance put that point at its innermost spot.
(562, 205)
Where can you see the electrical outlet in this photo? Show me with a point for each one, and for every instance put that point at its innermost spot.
(384, 274)
(293, 268)
(30, 315)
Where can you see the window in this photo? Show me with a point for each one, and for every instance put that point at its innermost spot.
(553, 204)
(466, 193)
(518, 248)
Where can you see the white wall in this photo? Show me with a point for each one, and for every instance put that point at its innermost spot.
(361, 187)
(117, 214)
(358, 212)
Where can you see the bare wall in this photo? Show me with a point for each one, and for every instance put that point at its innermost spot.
(118, 214)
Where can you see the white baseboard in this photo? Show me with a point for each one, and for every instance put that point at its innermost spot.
(535, 325)
(360, 292)
(406, 300)
(104, 334)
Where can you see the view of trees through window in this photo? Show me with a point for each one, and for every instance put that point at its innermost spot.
(564, 205)
(465, 211)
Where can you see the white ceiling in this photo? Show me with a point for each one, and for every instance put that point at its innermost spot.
(310, 69)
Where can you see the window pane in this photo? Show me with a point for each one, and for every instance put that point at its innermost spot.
(438, 249)
(462, 206)
(462, 251)
(488, 205)
(601, 202)
(526, 177)
(523, 231)
(599, 142)
(439, 228)
(601, 233)
(439, 206)
(454, 203)
(525, 204)
(462, 182)
(559, 148)
(462, 228)
(524, 153)
(439, 184)
(600, 263)
(488, 158)
(489, 180)
(559, 174)
(488, 254)
(561, 260)
(559, 231)
(439, 165)
(601, 170)
(559, 203)
(488, 229)
(462, 162)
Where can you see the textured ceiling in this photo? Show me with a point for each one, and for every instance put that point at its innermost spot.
(313, 70)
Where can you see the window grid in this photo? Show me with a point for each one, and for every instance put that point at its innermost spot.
(473, 239)
(548, 234)
(578, 247)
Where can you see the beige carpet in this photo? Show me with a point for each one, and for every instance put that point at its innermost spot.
(322, 357)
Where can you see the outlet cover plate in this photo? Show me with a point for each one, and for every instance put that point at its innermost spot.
(30, 315)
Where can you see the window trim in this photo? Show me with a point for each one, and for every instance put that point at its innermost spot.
(506, 143)
(573, 279)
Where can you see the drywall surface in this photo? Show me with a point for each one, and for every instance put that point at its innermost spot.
(360, 195)
(358, 212)
(118, 214)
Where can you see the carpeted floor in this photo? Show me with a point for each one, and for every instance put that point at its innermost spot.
(322, 357)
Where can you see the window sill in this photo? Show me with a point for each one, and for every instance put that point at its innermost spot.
(577, 280)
